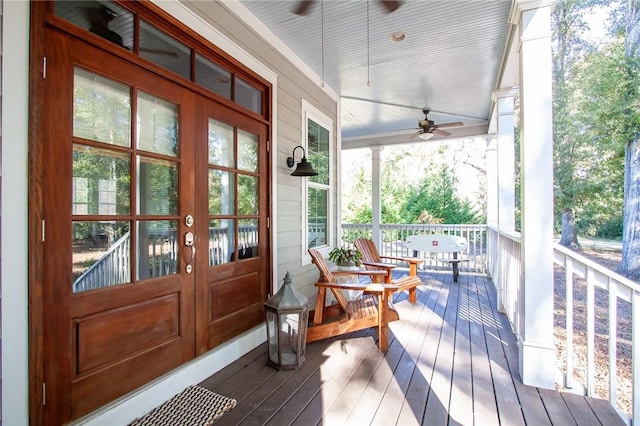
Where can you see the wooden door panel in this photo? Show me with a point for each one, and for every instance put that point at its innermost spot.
(90, 391)
(106, 337)
(235, 324)
(234, 294)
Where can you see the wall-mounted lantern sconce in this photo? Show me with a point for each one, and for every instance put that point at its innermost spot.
(304, 168)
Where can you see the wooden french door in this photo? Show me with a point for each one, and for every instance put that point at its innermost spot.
(232, 183)
(155, 241)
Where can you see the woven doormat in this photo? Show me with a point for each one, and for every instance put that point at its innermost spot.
(194, 406)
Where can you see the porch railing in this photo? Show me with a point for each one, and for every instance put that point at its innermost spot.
(394, 235)
(114, 266)
(597, 316)
(111, 269)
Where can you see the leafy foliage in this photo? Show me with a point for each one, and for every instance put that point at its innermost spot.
(600, 125)
(410, 195)
(590, 122)
(435, 201)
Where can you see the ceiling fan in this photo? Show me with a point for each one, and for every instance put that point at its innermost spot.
(427, 128)
(304, 6)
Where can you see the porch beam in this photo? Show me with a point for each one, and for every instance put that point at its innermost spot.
(534, 324)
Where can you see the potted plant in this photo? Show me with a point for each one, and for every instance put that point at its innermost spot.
(346, 257)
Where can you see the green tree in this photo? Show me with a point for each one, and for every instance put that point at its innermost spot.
(358, 206)
(569, 47)
(435, 199)
(598, 89)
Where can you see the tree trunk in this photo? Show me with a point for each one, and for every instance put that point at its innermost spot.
(630, 265)
(569, 236)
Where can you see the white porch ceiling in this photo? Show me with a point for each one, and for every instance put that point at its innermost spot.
(450, 61)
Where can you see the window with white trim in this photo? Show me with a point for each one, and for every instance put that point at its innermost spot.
(318, 132)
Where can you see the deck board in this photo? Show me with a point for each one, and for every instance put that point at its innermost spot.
(452, 360)
(484, 402)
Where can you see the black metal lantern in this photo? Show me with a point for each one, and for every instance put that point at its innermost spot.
(287, 314)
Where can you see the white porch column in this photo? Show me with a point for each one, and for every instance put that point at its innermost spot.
(501, 153)
(506, 162)
(376, 204)
(535, 316)
(492, 182)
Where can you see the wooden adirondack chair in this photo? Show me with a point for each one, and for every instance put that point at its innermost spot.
(373, 309)
(372, 260)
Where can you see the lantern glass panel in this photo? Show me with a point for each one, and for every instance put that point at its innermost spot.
(289, 335)
(272, 336)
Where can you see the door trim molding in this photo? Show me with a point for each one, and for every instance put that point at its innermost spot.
(14, 213)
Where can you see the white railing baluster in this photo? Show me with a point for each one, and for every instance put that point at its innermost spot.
(590, 332)
(568, 276)
(613, 340)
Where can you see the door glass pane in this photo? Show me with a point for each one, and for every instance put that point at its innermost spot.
(220, 192)
(101, 255)
(101, 183)
(157, 248)
(157, 125)
(247, 151)
(157, 187)
(164, 50)
(213, 77)
(318, 212)
(248, 96)
(101, 109)
(221, 241)
(247, 195)
(220, 144)
(104, 18)
(247, 238)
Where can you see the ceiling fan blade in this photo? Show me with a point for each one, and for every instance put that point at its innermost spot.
(454, 124)
(441, 132)
(390, 6)
(303, 7)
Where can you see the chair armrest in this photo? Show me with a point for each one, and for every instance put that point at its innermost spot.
(359, 272)
(403, 259)
(369, 287)
(386, 266)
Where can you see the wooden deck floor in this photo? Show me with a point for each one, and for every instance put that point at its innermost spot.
(452, 361)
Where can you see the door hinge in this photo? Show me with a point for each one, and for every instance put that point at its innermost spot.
(43, 230)
(44, 67)
(44, 393)
(268, 222)
(268, 146)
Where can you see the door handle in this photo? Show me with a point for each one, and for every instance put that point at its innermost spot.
(189, 241)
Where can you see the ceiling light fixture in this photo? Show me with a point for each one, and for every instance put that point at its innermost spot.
(398, 36)
(425, 136)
